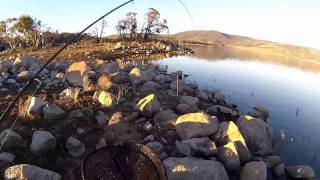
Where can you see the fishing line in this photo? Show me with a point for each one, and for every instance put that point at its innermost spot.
(76, 38)
(184, 5)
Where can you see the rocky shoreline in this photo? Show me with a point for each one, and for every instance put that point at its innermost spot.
(84, 106)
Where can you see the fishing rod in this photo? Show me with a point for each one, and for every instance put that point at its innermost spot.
(76, 38)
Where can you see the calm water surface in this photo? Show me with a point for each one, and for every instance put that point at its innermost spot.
(290, 90)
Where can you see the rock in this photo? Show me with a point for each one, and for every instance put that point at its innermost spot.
(202, 95)
(163, 156)
(190, 168)
(5, 65)
(116, 118)
(75, 147)
(135, 72)
(53, 112)
(279, 170)
(25, 75)
(149, 138)
(192, 101)
(196, 125)
(300, 172)
(81, 131)
(150, 85)
(160, 79)
(257, 134)
(229, 156)
(77, 74)
(149, 106)
(166, 118)
(7, 157)
(272, 161)
(155, 146)
(261, 112)
(148, 74)
(254, 170)
(29, 172)
(60, 76)
(68, 93)
(121, 133)
(36, 106)
(202, 147)
(11, 81)
(109, 68)
(13, 139)
(102, 118)
(181, 86)
(104, 82)
(221, 138)
(217, 109)
(42, 142)
(147, 126)
(106, 99)
(184, 109)
(218, 96)
(76, 114)
(101, 144)
(133, 116)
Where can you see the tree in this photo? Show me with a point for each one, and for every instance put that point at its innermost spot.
(131, 23)
(98, 34)
(30, 30)
(122, 28)
(154, 24)
(8, 32)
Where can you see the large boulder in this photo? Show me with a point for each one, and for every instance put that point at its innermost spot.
(150, 85)
(75, 147)
(12, 139)
(166, 118)
(192, 101)
(53, 112)
(254, 170)
(149, 106)
(29, 172)
(107, 99)
(300, 172)
(229, 156)
(190, 168)
(77, 74)
(42, 142)
(258, 135)
(202, 147)
(196, 125)
(261, 112)
(148, 74)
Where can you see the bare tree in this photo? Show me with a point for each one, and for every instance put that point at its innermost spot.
(99, 33)
(154, 24)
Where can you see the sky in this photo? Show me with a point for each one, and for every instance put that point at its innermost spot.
(288, 21)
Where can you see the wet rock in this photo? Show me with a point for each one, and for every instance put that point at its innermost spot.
(279, 170)
(202, 147)
(229, 156)
(272, 161)
(29, 172)
(36, 106)
(261, 112)
(102, 118)
(184, 168)
(107, 99)
(104, 82)
(149, 106)
(150, 85)
(196, 125)
(133, 116)
(7, 157)
(257, 134)
(42, 142)
(13, 139)
(184, 109)
(53, 112)
(192, 101)
(75, 147)
(254, 170)
(77, 74)
(155, 146)
(300, 172)
(166, 118)
(202, 95)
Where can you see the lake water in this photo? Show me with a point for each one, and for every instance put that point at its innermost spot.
(290, 89)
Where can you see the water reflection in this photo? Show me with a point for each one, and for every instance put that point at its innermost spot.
(289, 89)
